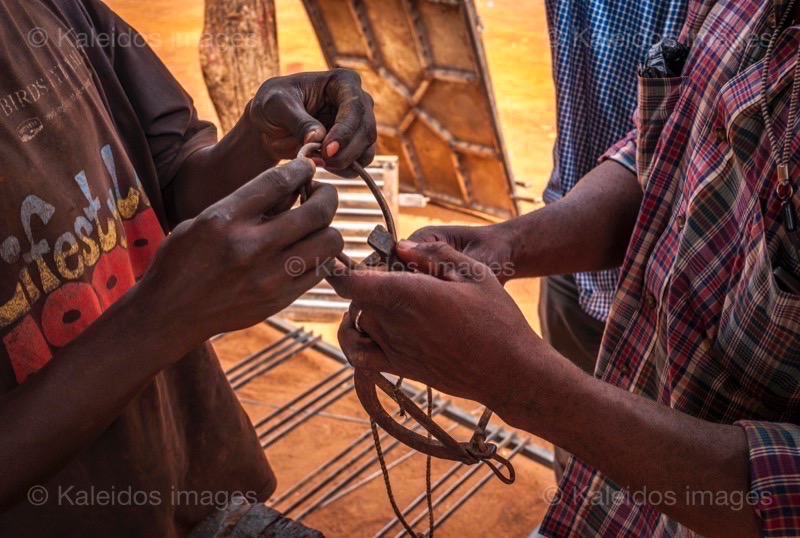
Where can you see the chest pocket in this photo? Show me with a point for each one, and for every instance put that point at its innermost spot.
(759, 333)
(658, 98)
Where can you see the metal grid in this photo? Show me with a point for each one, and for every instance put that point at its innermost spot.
(355, 466)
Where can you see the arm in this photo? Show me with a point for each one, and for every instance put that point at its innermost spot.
(641, 445)
(193, 169)
(635, 442)
(587, 230)
(328, 107)
(62, 408)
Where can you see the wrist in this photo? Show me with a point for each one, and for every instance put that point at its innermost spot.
(154, 310)
(507, 237)
(543, 392)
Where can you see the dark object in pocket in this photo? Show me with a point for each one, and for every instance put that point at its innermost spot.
(665, 59)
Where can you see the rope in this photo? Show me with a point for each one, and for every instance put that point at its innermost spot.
(388, 483)
(428, 488)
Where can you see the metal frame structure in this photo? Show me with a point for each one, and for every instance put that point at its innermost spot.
(356, 465)
(424, 62)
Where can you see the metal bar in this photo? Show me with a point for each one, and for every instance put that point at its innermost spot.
(416, 502)
(538, 454)
(366, 480)
(474, 489)
(298, 398)
(265, 349)
(297, 411)
(318, 503)
(253, 361)
(274, 363)
(343, 467)
(277, 437)
(448, 492)
(316, 472)
(321, 346)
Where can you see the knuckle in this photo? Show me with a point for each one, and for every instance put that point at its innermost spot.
(276, 96)
(434, 248)
(423, 233)
(213, 219)
(357, 106)
(268, 240)
(348, 75)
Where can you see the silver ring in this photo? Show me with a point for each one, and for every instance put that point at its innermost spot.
(357, 322)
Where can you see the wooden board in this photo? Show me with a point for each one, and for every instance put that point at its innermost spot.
(423, 62)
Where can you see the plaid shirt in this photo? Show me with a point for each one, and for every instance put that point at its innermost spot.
(597, 47)
(699, 322)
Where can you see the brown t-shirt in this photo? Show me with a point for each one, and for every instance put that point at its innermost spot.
(93, 127)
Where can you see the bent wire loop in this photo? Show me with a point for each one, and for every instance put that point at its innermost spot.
(440, 444)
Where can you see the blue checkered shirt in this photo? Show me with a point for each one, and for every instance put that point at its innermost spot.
(597, 46)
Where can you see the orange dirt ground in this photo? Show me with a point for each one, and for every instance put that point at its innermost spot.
(516, 40)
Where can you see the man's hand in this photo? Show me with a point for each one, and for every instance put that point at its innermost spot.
(456, 329)
(234, 266)
(286, 113)
(493, 246)
(452, 327)
(328, 107)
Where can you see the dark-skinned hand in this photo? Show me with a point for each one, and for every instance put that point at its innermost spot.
(490, 245)
(451, 326)
(328, 107)
(234, 266)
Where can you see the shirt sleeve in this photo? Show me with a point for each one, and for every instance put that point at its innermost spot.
(165, 111)
(623, 152)
(775, 476)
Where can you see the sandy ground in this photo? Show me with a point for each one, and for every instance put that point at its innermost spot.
(495, 510)
(515, 37)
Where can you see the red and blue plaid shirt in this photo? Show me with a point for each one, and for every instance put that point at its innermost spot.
(699, 322)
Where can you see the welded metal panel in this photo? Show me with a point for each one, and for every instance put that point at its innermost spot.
(424, 63)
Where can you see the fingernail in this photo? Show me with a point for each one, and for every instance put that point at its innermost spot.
(332, 149)
(405, 244)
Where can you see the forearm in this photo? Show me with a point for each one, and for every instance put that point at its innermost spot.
(647, 448)
(587, 230)
(212, 173)
(61, 409)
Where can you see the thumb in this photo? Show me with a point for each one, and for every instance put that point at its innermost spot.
(304, 127)
(442, 261)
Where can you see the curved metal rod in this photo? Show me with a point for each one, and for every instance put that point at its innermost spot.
(308, 152)
(442, 447)
(367, 383)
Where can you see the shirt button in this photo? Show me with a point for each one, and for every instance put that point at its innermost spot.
(650, 301)
(721, 134)
(625, 369)
(772, 20)
(681, 222)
